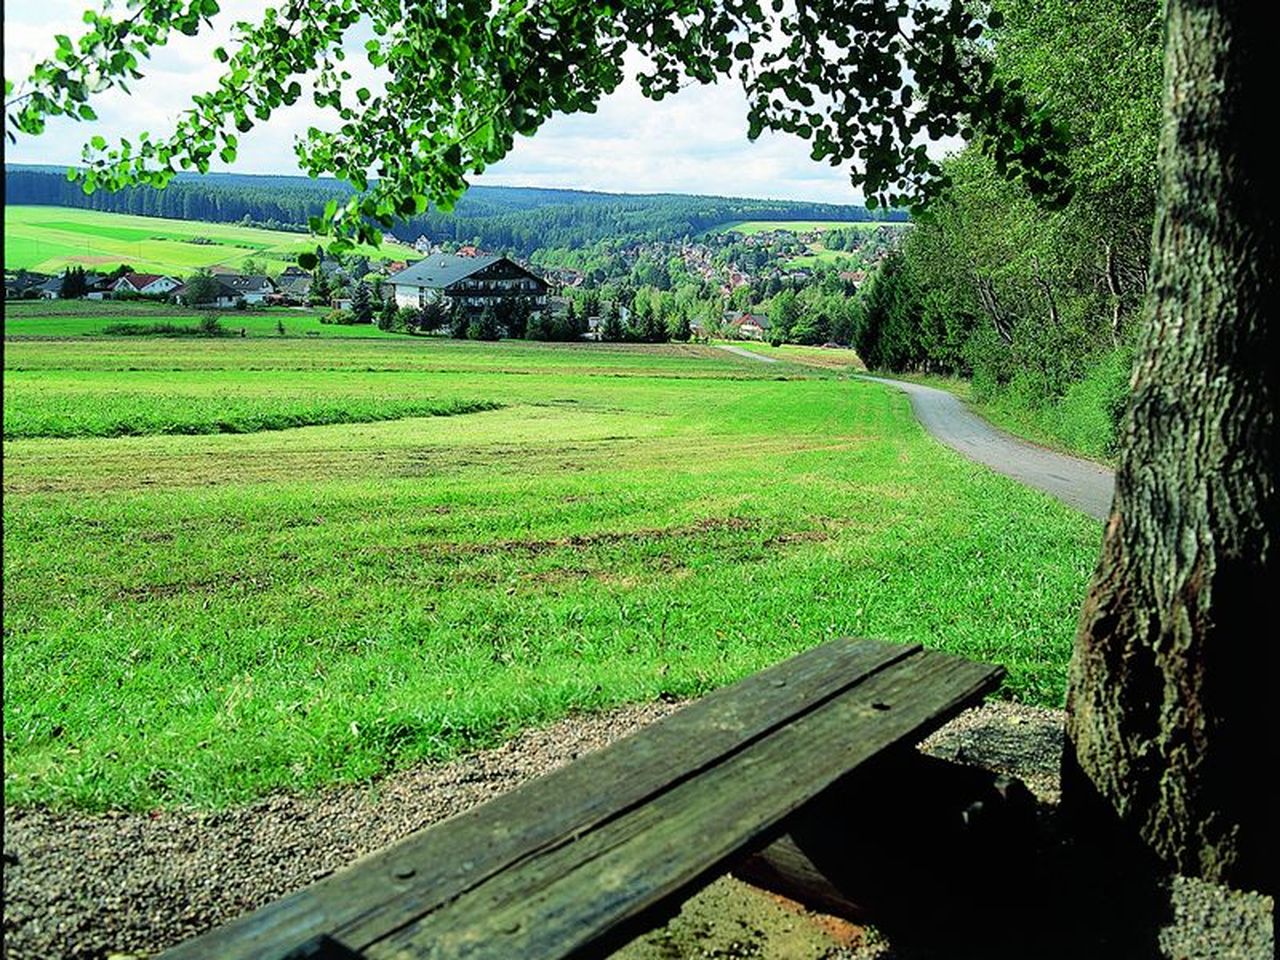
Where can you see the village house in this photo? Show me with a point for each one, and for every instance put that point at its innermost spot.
(254, 288)
(148, 284)
(51, 289)
(471, 283)
(295, 288)
(746, 326)
(22, 285)
(219, 295)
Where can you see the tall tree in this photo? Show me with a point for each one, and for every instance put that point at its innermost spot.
(611, 329)
(362, 306)
(1169, 707)
(74, 284)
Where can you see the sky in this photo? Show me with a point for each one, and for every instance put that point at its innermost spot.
(692, 142)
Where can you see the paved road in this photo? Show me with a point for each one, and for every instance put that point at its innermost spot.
(1081, 484)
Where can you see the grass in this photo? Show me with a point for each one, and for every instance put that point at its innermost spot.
(90, 318)
(200, 620)
(826, 358)
(821, 256)
(48, 239)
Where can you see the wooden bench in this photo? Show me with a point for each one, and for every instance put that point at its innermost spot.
(578, 861)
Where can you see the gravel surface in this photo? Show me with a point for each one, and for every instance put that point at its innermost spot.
(1081, 484)
(106, 885)
(93, 885)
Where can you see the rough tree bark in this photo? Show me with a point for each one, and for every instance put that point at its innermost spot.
(1170, 705)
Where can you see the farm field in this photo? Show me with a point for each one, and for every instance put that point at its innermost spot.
(819, 255)
(202, 619)
(48, 239)
(827, 358)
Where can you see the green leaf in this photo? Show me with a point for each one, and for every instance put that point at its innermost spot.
(308, 261)
(87, 113)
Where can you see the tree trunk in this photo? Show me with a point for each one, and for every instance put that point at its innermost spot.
(1170, 725)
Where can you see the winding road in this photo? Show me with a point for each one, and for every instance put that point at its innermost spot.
(1082, 484)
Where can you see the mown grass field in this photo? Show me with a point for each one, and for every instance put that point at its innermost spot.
(201, 619)
(49, 239)
(819, 255)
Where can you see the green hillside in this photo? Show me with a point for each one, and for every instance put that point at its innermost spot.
(47, 239)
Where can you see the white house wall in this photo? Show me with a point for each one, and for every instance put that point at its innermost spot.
(414, 296)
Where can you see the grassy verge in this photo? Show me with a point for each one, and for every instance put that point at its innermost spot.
(204, 619)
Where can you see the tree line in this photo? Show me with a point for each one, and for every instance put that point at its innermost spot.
(1038, 305)
(516, 220)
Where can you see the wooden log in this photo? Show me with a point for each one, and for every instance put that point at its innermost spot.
(908, 840)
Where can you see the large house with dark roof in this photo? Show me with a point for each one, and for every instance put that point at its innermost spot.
(254, 289)
(471, 283)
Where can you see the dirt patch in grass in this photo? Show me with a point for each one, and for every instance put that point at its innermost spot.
(534, 547)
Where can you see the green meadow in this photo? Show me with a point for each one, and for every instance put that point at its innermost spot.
(49, 239)
(496, 536)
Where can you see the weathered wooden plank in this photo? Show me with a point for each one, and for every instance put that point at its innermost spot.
(582, 897)
(393, 887)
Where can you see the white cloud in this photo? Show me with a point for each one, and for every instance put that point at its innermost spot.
(692, 142)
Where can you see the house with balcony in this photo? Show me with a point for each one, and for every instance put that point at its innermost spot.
(468, 283)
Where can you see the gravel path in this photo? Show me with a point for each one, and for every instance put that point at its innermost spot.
(126, 885)
(749, 354)
(1081, 484)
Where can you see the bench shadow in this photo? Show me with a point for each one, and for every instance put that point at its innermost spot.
(950, 861)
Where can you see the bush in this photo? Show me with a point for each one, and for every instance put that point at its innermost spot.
(208, 327)
(484, 327)
(343, 318)
(1089, 415)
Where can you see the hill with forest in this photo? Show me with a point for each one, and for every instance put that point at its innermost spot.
(515, 219)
